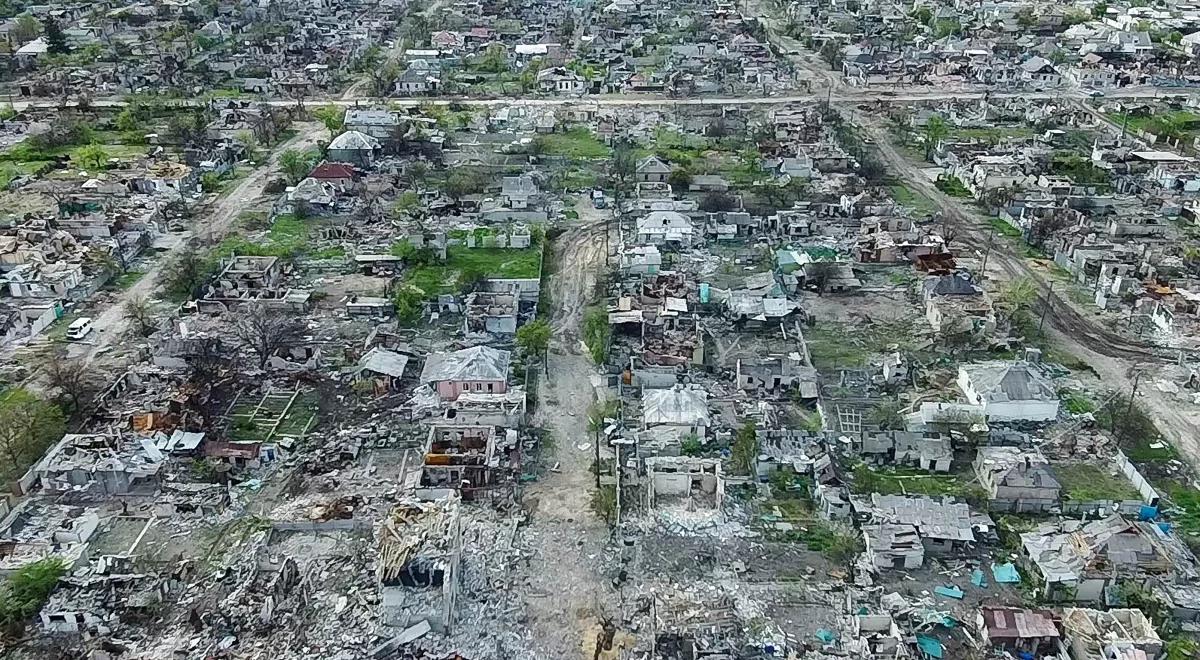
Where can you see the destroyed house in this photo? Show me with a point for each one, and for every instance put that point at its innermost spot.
(38, 529)
(1019, 631)
(460, 457)
(1009, 391)
(420, 547)
(1123, 634)
(1078, 561)
(1017, 480)
(246, 278)
(944, 527)
(891, 545)
(100, 464)
(678, 411)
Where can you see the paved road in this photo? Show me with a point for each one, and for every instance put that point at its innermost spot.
(839, 95)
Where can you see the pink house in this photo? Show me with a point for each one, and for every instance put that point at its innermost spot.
(479, 370)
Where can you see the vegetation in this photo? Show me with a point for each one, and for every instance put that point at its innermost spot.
(1084, 482)
(913, 482)
(952, 186)
(534, 340)
(744, 453)
(596, 333)
(604, 503)
(578, 143)
(28, 426)
(296, 164)
(26, 591)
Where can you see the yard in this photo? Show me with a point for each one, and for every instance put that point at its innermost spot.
(994, 133)
(484, 262)
(905, 197)
(577, 144)
(833, 344)
(905, 481)
(1084, 482)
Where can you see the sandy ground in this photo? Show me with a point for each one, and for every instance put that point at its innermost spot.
(566, 594)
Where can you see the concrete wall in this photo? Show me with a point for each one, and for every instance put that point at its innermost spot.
(1034, 411)
(671, 484)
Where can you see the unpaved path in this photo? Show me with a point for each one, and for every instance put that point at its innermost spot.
(578, 262)
(1115, 358)
(568, 593)
(212, 224)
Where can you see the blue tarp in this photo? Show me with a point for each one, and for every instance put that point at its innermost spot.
(1005, 574)
(1148, 512)
(929, 646)
(978, 579)
(949, 592)
(827, 636)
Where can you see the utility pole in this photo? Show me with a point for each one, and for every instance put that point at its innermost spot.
(987, 253)
(1045, 308)
(1137, 376)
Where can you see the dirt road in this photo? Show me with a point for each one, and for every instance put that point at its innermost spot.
(1114, 358)
(568, 592)
(212, 225)
(578, 260)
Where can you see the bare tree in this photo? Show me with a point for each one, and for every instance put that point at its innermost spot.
(138, 312)
(73, 379)
(265, 331)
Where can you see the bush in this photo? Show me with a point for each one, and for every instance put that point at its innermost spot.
(27, 590)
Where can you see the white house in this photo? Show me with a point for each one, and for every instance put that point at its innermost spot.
(1009, 391)
(661, 227)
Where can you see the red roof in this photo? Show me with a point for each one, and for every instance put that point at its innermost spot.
(332, 171)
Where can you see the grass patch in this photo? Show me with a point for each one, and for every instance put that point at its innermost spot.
(994, 133)
(1185, 503)
(952, 187)
(487, 262)
(1084, 482)
(1077, 404)
(1003, 228)
(904, 481)
(126, 280)
(834, 345)
(904, 196)
(578, 144)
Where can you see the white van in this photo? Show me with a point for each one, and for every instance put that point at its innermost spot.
(79, 328)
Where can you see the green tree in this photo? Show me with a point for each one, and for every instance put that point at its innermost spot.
(1099, 10)
(936, 130)
(332, 117)
(26, 591)
(596, 333)
(1026, 18)
(622, 169)
(680, 179)
(409, 302)
(185, 274)
(27, 29)
(296, 164)
(56, 41)
(534, 340)
(923, 15)
(1016, 298)
(1174, 38)
(28, 426)
(92, 156)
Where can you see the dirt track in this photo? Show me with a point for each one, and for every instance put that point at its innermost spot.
(1114, 358)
